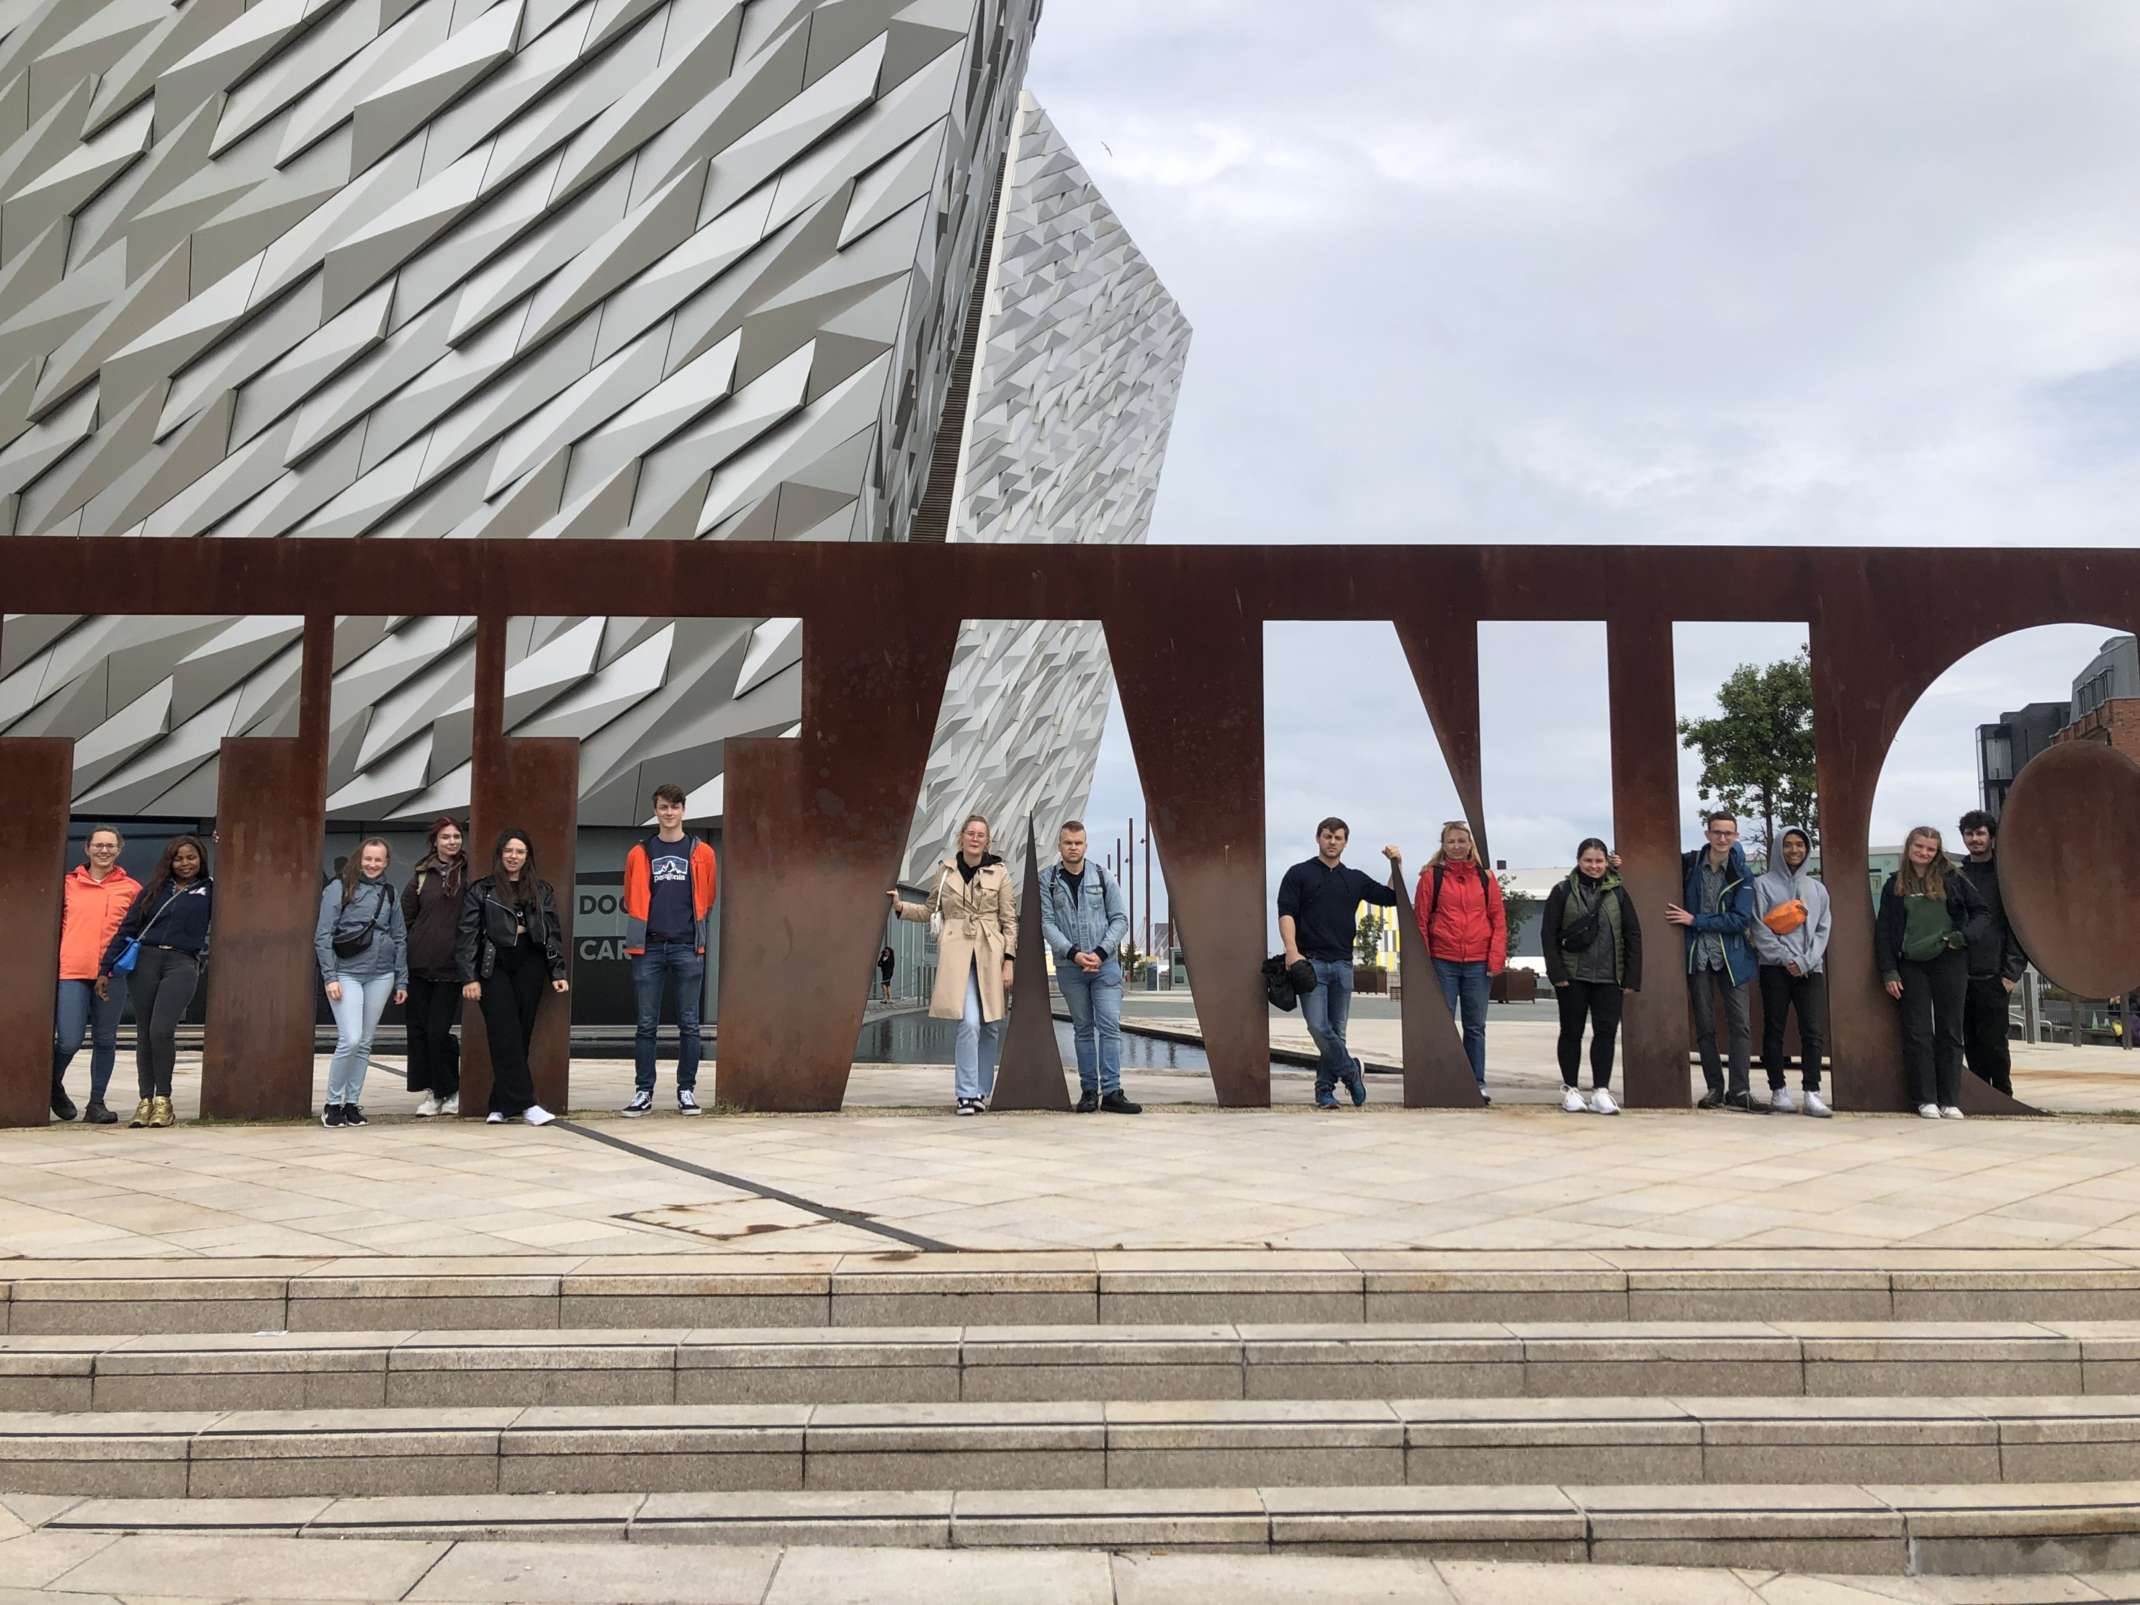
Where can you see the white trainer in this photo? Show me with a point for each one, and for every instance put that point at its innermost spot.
(427, 1108)
(1780, 1102)
(1601, 1103)
(1815, 1108)
(1928, 1111)
(536, 1115)
(494, 1119)
(1949, 1112)
(452, 1106)
(1572, 1102)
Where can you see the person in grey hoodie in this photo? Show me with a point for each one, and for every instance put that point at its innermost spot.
(363, 949)
(1790, 932)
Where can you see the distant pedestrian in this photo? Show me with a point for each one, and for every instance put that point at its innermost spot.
(1465, 928)
(1593, 952)
(165, 938)
(94, 899)
(510, 941)
(1996, 962)
(1084, 918)
(363, 951)
(1318, 914)
(973, 909)
(1720, 959)
(1929, 914)
(669, 887)
(885, 962)
(1790, 935)
(431, 910)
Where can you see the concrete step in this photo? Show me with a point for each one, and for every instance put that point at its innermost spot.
(1071, 1288)
(1855, 1528)
(1221, 1360)
(681, 1448)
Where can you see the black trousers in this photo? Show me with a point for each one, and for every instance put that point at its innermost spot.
(1599, 1003)
(1933, 997)
(510, 998)
(1984, 1032)
(433, 1009)
(1706, 986)
(1783, 993)
(161, 987)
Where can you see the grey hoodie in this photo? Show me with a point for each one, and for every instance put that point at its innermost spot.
(1807, 947)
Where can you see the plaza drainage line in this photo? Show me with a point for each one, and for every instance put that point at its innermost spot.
(845, 1217)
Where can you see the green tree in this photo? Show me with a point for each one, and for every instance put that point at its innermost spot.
(1518, 907)
(1367, 939)
(1757, 753)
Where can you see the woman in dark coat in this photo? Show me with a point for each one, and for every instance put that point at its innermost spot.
(431, 908)
(510, 943)
(1593, 951)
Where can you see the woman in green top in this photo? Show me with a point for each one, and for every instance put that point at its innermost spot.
(1928, 915)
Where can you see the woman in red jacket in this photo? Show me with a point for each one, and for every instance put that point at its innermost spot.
(1458, 904)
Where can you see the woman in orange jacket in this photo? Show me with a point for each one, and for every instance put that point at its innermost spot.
(1465, 928)
(97, 894)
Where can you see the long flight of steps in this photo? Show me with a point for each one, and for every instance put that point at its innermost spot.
(1927, 1416)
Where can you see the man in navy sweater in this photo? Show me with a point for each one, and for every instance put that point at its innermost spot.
(1318, 902)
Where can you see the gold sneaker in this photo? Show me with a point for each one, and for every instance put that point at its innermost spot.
(142, 1111)
(160, 1114)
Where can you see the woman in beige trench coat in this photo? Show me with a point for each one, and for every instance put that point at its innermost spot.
(979, 940)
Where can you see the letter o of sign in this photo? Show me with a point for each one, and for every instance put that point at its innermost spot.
(2069, 866)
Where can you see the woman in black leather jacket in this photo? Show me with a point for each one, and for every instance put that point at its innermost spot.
(509, 942)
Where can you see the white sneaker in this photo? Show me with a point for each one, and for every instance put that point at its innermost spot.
(452, 1106)
(687, 1102)
(1815, 1108)
(1780, 1102)
(494, 1119)
(428, 1107)
(1601, 1103)
(536, 1115)
(1928, 1111)
(1572, 1102)
(1949, 1112)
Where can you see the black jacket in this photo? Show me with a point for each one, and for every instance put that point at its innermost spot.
(431, 909)
(177, 918)
(1630, 936)
(1994, 951)
(487, 924)
(1964, 907)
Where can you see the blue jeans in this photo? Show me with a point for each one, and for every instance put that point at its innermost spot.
(356, 1017)
(1325, 1010)
(1095, 1004)
(973, 1059)
(1467, 986)
(74, 1013)
(649, 970)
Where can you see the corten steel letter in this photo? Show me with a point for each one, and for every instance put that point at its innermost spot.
(1443, 650)
(1645, 811)
(36, 777)
(1868, 671)
(263, 977)
(1029, 1072)
(813, 831)
(2069, 866)
(1190, 670)
(530, 784)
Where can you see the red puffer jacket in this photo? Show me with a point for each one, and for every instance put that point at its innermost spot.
(1465, 923)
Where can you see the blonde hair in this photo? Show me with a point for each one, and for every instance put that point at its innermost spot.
(1441, 853)
(1932, 882)
(982, 821)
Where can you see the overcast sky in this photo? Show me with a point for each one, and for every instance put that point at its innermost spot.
(1621, 271)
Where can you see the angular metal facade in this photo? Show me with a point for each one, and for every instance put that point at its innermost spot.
(1081, 362)
(418, 269)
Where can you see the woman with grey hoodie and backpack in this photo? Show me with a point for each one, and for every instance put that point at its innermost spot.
(1790, 934)
(363, 951)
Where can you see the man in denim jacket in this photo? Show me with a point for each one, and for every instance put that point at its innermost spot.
(1084, 920)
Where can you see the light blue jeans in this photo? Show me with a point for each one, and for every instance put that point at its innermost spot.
(1095, 1005)
(973, 1060)
(1325, 1012)
(356, 1017)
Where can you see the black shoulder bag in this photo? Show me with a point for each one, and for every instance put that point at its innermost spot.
(350, 945)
